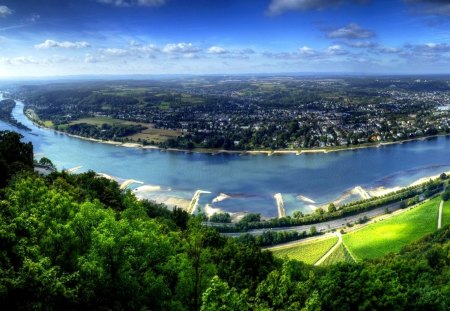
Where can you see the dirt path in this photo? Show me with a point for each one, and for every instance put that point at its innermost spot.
(324, 257)
(440, 215)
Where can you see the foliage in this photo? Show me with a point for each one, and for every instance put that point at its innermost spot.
(220, 217)
(15, 156)
(268, 238)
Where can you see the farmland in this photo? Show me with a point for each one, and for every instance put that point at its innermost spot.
(446, 214)
(384, 237)
(148, 133)
(308, 252)
(341, 254)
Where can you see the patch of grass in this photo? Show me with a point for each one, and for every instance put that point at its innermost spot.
(48, 124)
(390, 235)
(101, 120)
(149, 134)
(186, 98)
(164, 106)
(341, 254)
(308, 252)
(446, 213)
(156, 135)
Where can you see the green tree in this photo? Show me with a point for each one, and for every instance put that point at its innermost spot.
(220, 297)
(331, 208)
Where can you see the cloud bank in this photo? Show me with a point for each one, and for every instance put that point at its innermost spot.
(48, 44)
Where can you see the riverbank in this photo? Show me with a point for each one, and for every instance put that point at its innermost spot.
(34, 118)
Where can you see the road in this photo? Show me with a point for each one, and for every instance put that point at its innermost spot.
(327, 225)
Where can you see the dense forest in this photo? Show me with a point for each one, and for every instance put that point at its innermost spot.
(77, 242)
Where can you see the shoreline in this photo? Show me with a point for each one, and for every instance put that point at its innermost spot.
(237, 152)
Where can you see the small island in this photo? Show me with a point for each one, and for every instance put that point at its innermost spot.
(6, 107)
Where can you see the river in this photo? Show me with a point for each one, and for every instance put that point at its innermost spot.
(249, 181)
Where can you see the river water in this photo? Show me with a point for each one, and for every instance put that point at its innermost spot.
(250, 181)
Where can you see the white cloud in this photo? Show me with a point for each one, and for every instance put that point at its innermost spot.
(281, 6)
(33, 18)
(114, 52)
(351, 31)
(306, 51)
(130, 3)
(91, 59)
(20, 60)
(432, 7)
(47, 44)
(217, 50)
(180, 48)
(146, 49)
(5, 11)
(336, 49)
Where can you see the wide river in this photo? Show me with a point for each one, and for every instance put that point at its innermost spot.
(251, 181)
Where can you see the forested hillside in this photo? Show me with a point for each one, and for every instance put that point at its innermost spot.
(77, 242)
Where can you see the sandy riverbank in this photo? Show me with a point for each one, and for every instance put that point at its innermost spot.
(221, 197)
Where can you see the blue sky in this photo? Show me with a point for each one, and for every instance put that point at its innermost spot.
(79, 37)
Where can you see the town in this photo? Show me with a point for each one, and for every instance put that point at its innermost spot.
(247, 113)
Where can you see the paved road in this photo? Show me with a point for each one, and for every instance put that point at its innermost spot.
(327, 225)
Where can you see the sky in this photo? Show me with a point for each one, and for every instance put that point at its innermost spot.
(130, 37)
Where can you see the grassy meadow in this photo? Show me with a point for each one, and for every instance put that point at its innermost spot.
(390, 235)
(309, 252)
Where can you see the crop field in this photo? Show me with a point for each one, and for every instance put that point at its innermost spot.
(392, 234)
(104, 120)
(446, 213)
(308, 252)
(341, 254)
(150, 133)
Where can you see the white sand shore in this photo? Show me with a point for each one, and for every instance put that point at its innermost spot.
(221, 197)
(177, 202)
(106, 176)
(74, 169)
(361, 192)
(305, 199)
(426, 179)
(280, 205)
(380, 191)
(147, 188)
(210, 210)
(129, 182)
(194, 202)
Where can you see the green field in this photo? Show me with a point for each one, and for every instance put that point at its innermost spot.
(446, 214)
(392, 234)
(149, 134)
(341, 254)
(308, 252)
